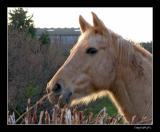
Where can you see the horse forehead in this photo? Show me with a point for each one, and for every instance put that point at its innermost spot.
(92, 40)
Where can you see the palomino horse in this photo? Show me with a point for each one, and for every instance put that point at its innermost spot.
(102, 61)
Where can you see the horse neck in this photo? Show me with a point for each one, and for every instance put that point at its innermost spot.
(130, 90)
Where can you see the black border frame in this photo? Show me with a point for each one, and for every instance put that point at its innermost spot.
(83, 3)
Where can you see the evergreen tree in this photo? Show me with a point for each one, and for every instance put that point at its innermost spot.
(19, 20)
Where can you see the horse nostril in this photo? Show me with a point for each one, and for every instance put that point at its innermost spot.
(57, 88)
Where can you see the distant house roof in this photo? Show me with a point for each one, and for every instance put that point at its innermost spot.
(59, 31)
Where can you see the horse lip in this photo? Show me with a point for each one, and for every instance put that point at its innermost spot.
(63, 100)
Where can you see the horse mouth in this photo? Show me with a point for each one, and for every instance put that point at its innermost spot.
(60, 100)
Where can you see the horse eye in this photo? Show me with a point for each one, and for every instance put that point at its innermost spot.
(91, 51)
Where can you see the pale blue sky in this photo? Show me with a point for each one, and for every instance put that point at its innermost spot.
(131, 23)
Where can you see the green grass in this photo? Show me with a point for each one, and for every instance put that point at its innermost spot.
(99, 104)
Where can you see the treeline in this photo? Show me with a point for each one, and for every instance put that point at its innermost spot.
(147, 45)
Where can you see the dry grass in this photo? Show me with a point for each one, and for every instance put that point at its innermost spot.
(66, 115)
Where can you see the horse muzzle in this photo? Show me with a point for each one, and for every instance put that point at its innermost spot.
(59, 95)
(65, 98)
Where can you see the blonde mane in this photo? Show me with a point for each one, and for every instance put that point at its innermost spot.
(125, 49)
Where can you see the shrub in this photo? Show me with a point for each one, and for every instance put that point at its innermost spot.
(30, 66)
(44, 38)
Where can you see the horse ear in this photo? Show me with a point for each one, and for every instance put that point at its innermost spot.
(83, 24)
(97, 22)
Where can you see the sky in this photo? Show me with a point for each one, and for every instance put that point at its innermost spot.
(131, 23)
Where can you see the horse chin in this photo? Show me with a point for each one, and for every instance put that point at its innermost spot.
(53, 99)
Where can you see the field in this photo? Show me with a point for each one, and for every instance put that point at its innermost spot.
(99, 104)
